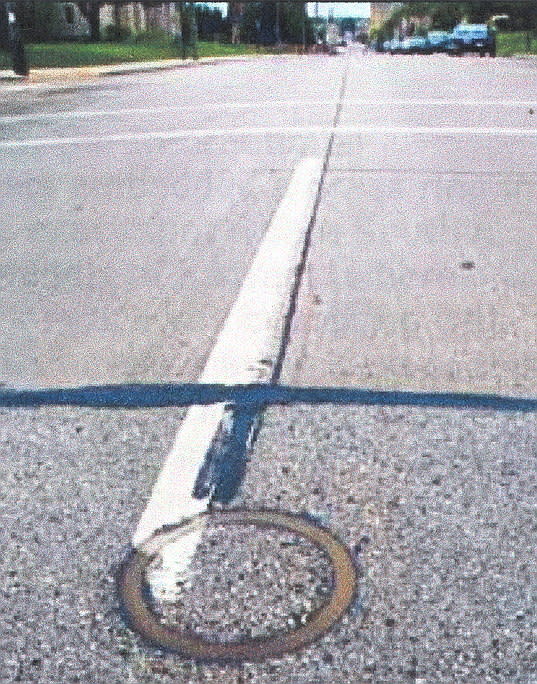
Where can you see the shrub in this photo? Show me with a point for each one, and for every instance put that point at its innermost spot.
(152, 35)
(116, 33)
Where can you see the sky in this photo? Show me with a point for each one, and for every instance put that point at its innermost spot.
(341, 9)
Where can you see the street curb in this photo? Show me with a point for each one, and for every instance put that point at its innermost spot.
(55, 75)
(11, 78)
(531, 58)
(143, 67)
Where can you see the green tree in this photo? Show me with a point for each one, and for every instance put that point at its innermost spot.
(445, 15)
(4, 31)
(259, 23)
(46, 21)
(347, 24)
(209, 22)
(188, 36)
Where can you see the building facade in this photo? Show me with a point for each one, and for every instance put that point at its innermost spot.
(71, 20)
(138, 18)
(235, 12)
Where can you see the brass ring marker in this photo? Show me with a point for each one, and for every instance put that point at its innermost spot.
(132, 590)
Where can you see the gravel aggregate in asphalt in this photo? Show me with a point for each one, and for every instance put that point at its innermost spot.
(72, 486)
(439, 510)
(244, 582)
(439, 507)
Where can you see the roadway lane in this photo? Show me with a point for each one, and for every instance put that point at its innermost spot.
(438, 506)
(119, 263)
(422, 273)
(121, 259)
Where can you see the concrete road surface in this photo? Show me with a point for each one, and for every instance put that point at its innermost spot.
(132, 209)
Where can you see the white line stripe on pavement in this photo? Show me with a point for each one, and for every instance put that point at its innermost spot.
(22, 87)
(245, 351)
(266, 105)
(191, 134)
(127, 111)
(444, 102)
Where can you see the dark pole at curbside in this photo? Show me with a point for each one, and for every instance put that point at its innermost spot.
(194, 30)
(180, 28)
(16, 44)
(304, 10)
(277, 25)
(188, 35)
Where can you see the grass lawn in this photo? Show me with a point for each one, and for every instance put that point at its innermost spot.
(87, 54)
(508, 44)
(226, 50)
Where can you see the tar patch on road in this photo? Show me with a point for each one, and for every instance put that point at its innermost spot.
(335, 597)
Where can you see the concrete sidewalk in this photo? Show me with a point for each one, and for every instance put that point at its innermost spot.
(9, 76)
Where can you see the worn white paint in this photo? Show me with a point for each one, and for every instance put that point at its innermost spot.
(245, 351)
(238, 132)
(266, 105)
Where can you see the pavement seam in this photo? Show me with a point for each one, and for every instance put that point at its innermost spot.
(245, 422)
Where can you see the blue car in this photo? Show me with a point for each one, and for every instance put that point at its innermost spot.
(472, 38)
(416, 45)
(438, 40)
(395, 46)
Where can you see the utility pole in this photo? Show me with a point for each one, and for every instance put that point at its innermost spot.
(16, 44)
(94, 20)
(304, 10)
(193, 30)
(4, 28)
(189, 29)
(277, 34)
(180, 6)
(117, 20)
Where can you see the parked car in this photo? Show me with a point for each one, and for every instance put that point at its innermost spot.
(395, 46)
(472, 38)
(378, 45)
(335, 49)
(438, 40)
(415, 46)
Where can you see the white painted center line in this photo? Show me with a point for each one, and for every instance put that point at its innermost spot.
(191, 134)
(245, 351)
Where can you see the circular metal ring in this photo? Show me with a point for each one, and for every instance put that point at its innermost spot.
(133, 590)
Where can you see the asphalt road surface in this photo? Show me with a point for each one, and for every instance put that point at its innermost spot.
(132, 209)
